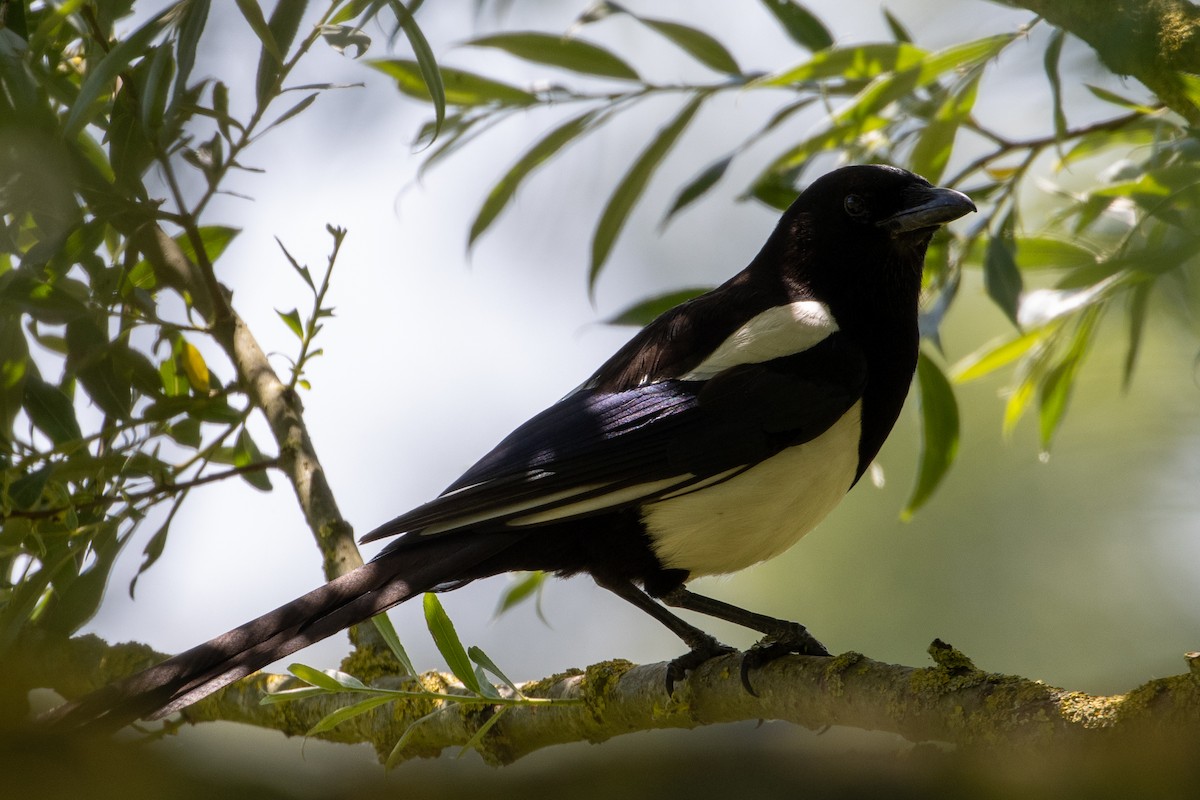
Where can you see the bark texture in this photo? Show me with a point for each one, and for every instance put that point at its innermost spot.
(951, 701)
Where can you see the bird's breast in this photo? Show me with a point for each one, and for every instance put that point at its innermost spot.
(760, 512)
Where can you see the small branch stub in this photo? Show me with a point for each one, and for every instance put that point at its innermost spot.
(1193, 660)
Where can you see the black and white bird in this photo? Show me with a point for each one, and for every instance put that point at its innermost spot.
(716, 438)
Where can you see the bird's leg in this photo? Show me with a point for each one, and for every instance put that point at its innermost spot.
(701, 645)
(782, 637)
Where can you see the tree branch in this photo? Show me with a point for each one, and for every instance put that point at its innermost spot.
(951, 701)
(280, 405)
(1152, 40)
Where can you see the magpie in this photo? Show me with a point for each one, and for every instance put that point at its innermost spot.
(714, 439)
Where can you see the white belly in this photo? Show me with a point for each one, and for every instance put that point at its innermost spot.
(760, 513)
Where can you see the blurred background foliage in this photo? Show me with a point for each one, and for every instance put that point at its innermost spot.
(659, 136)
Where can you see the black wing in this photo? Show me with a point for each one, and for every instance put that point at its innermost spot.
(598, 451)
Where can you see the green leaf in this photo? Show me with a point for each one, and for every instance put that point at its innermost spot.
(1117, 100)
(330, 680)
(53, 303)
(556, 51)
(462, 88)
(21, 96)
(292, 320)
(301, 270)
(781, 116)
(696, 43)
(174, 382)
(214, 238)
(288, 695)
(992, 357)
(282, 27)
(889, 88)
(448, 643)
(899, 70)
(1138, 302)
(1161, 192)
(801, 25)
(352, 9)
(335, 718)
(102, 75)
(939, 432)
(26, 491)
(1001, 277)
(14, 370)
(623, 198)
(1030, 371)
(933, 147)
(50, 411)
(154, 548)
(899, 32)
(387, 631)
(860, 62)
(130, 149)
(482, 659)
(293, 111)
(646, 311)
(1050, 64)
(425, 61)
(191, 26)
(460, 130)
(214, 409)
(108, 387)
(1054, 393)
(500, 195)
(220, 96)
(156, 80)
(526, 586)
(74, 604)
(1137, 133)
(253, 14)
(698, 186)
(246, 452)
(486, 689)
(186, 432)
(1050, 252)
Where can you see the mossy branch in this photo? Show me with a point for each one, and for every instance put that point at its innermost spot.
(951, 701)
(1152, 40)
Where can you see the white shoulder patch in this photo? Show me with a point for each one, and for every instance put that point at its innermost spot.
(776, 332)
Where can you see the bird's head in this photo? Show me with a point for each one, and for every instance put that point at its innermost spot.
(880, 202)
(864, 226)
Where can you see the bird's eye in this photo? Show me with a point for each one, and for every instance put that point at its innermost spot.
(855, 206)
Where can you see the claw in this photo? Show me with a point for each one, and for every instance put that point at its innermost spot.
(794, 639)
(700, 653)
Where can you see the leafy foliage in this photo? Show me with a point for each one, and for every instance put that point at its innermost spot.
(469, 665)
(897, 102)
(115, 397)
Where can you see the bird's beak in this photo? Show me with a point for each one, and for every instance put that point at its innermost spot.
(928, 207)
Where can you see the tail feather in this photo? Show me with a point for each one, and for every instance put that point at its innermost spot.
(397, 575)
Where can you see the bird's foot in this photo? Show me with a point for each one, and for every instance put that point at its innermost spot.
(791, 638)
(703, 650)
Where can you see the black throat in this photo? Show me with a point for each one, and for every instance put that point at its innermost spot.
(873, 292)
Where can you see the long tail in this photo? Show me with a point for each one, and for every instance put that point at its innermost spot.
(395, 576)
